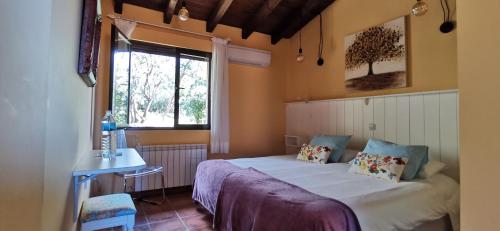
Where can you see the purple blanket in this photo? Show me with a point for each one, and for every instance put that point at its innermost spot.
(246, 199)
(208, 181)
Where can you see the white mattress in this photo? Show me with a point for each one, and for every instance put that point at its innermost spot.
(378, 204)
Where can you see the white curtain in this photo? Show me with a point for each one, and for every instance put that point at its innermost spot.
(125, 26)
(219, 98)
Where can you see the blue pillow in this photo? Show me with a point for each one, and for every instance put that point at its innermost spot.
(416, 154)
(336, 143)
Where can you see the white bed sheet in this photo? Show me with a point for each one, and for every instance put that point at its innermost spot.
(379, 205)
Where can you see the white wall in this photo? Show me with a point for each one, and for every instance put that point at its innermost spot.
(426, 118)
(68, 123)
(45, 113)
(25, 32)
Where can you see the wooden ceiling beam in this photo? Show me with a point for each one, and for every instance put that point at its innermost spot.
(260, 17)
(217, 14)
(169, 11)
(298, 19)
(118, 6)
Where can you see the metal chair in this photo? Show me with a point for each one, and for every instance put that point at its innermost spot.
(148, 170)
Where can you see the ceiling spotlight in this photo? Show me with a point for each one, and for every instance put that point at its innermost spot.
(300, 56)
(183, 12)
(420, 8)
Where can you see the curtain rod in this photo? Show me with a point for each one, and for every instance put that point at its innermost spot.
(112, 17)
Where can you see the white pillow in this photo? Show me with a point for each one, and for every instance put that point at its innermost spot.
(380, 166)
(432, 168)
(314, 153)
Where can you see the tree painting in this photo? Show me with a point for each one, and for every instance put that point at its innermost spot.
(376, 44)
(381, 45)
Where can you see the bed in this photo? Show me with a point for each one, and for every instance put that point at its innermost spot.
(422, 204)
(429, 199)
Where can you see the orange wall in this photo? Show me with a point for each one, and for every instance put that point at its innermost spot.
(478, 81)
(256, 94)
(432, 63)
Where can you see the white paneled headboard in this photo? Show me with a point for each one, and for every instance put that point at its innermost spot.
(428, 118)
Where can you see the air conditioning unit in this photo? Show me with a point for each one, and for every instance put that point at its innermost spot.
(249, 56)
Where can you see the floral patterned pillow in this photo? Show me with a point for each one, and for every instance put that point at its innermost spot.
(380, 166)
(314, 153)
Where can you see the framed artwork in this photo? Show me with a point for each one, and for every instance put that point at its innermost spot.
(89, 41)
(375, 58)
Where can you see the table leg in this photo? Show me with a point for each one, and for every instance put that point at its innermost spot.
(76, 194)
(76, 187)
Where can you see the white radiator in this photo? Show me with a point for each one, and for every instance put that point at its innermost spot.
(179, 163)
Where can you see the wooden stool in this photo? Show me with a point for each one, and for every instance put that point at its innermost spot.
(108, 211)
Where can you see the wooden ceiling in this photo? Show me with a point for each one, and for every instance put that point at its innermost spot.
(277, 18)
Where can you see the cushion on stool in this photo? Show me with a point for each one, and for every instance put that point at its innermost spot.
(102, 207)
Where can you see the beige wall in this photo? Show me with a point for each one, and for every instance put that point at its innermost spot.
(432, 62)
(69, 117)
(23, 88)
(45, 116)
(478, 80)
(256, 94)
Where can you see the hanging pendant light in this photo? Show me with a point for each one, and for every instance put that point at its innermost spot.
(183, 12)
(300, 56)
(420, 8)
(448, 25)
(320, 61)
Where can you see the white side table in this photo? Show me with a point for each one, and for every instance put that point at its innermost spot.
(92, 165)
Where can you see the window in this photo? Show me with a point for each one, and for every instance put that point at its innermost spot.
(159, 87)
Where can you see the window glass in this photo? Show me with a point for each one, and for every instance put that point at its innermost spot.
(193, 94)
(159, 87)
(120, 87)
(152, 90)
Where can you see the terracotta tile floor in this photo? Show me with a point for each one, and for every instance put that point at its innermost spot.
(178, 213)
